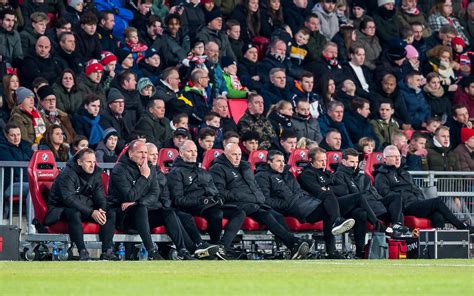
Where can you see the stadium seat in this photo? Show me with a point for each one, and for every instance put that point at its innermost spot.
(374, 160)
(237, 108)
(105, 182)
(42, 171)
(209, 157)
(166, 158)
(333, 159)
(256, 158)
(159, 230)
(413, 222)
(251, 225)
(298, 159)
(202, 224)
(295, 225)
(409, 133)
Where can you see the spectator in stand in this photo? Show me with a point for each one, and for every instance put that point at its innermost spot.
(181, 121)
(332, 141)
(31, 122)
(302, 88)
(212, 120)
(419, 39)
(441, 61)
(294, 12)
(87, 42)
(327, 64)
(334, 119)
(443, 36)
(141, 13)
(459, 119)
(465, 151)
(31, 33)
(299, 48)
(10, 40)
(359, 73)
(287, 143)
(53, 115)
(86, 121)
(177, 38)
(385, 18)
(220, 106)
(108, 41)
(466, 18)
(179, 136)
(73, 12)
(444, 15)
(195, 101)
(168, 89)
(206, 138)
(416, 156)
(216, 74)
(109, 62)
(254, 120)
(280, 115)
(276, 89)
(77, 195)
(54, 141)
(67, 92)
(193, 15)
(125, 61)
(146, 89)
(235, 89)
(248, 15)
(347, 93)
(304, 124)
(394, 62)
(153, 36)
(344, 39)
(438, 100)
(465, 95)
(400, 140)
(66, 54)
(357, 121)
(248, 68)
(277, 58)
(440, 155)
(389, 89)
(78, 143)
(249, 144)
(132, 43)
(385, 124)
(418, 109)
(106, 150)
(10, 85)
(326, 89)
(91, 82)
(409, 14)
(231, 137)
(128, 87)
(61, 26)
(316, 39)
(153, 125)
(369, 41)
(326, 12)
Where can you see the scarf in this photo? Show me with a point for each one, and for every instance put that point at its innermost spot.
(52, 116)
(38, 123)
(413, 11)
(97, 132)
(331, 61)
(435, 93)
(235, 81)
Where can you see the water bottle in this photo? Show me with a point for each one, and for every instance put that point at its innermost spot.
(55, 252)
(121, 252)
(143, 253)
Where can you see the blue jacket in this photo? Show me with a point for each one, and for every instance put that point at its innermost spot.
(359, 127)
(326, 123)
(10, 152)
(417, 107)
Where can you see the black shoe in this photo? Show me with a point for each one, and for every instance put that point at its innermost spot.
(204, 250)
(109, 255)
(335, 255)
(299, 250)
(341, 226)
(222, 253)
(84, 255)
(155, 255)
(400, 230)
(183, 254)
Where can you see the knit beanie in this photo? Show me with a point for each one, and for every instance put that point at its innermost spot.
(45, 91)
(144, 82)
(122, 54)
(359, 3)
(110, 132)
(74, 3)
(396, 53)
(93, 66)
(227, 61)
(466, 134)
(247, 47)
(383, 2)
(213, 14)
(150, 52)
(411, 51)
(107, 57)
(22, 93)
(114, 94)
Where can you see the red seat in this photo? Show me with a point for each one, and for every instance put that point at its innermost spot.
(237, 108)
(374, 160)
(105, 182)
(166, 158)
(209, 157)
(202, 224)
(409, 133)
(251, 225)
(257, 157)
(159, 230)
(333, 159)
(413, 222)
(298, 159)
(42, 171)
(296, 225)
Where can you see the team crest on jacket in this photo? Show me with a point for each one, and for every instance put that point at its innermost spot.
(190, 179)
(321, 178)
(353, 184)
(396, 179)
(235, 174)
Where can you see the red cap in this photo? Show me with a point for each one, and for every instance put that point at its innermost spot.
(466, 133)
(106, 57)
(93, 66)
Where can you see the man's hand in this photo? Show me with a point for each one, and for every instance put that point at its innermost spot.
(126, 205)
(99, 217)
(145, 170)
(404, 150)
(406, 126)
(422, 152)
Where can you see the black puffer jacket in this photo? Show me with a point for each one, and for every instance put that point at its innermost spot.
(74, 188)
(390, 180)
(190, 185)
(283, 193)
(155, 130)
(313, 180)
(236, 185)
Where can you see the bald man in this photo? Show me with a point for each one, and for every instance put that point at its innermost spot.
(237, 187)
(141, 203)
(193, 191)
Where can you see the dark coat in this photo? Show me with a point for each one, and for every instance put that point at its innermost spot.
(465, 158)
(124, 126)
(326, 123)
(321, 68)
(387, 26)
(155, 130)
(69, 102)
(306, 127)
(272, 95)
(10, 152)
(294, 16)
(280, 122)
(417, 107)
(358, 127)
(442, 159)
(87, 46)
(69, 60)
(349, 73)
(82, 127)
(108, 42)
(132, 101)
(439, 105)
(313, 180)
(74, 188)
(270, 62)
(283, 193)
(236, 185)
(401, 113)
(35, 66)
(198, 109)
(246, 69)
(389, 180)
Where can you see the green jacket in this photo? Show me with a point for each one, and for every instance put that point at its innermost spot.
(233, 93)
(25, 123)
(442, 159)
(259, 124)
(69, 102)
(384, 130)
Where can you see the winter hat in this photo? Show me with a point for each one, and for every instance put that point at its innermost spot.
(122, 54)
(114, 94)
(110, 132)
(211, 15)
(247, 47)
(396, 53)
(411, 51)
(22, 93)
(466, 133)
(206, 1)
(144, 82)
(359, 3)
(150, 52)
(227, 61)
(458, 41)
(181, 131)
(74, 3)
(45, 91)
(107, 57)
(93, 66)
(383, 2)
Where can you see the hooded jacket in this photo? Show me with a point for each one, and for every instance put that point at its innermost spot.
(74, 188)
(329, 21)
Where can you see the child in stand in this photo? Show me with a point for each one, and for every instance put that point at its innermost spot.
(181, 121)
(462, 56)
(195, 59)
(299, 48)
(105, 151)
(134, 45)
(146, 89)
(235, 89)
(213, 121)
(366, 146)
(416, 156)
(109, 62)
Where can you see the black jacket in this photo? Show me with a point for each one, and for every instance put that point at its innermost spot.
(74, 188)
(69, 60)
(10, 152)
(190, 185)
(108, 41)
(132, 101)
(35, 66)
(246, 70)
(236, 185)
(87, 46)
(283, 193)
(313, 180)
(389, 180)
(124, 126)
(155, 130)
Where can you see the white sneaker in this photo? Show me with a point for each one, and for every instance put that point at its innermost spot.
(341, 226)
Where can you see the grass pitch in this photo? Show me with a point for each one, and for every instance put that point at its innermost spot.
(307, 277)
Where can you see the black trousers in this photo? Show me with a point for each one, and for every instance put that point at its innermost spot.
(141, 219)
(191, 234)
(214, 216)
(394, 205)
(74, 218)
(434, 209)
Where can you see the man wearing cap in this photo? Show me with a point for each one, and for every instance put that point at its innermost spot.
(465, 151)
(212, 32)
(31, 122)
(91, 82)
(248, 67)
(87, 42)
(116, 116)
(385, 18)
(179, 136)
(66, 54)
(39, 63)
(150, 65)
(153, 125)
(326, 11)
(47, 107)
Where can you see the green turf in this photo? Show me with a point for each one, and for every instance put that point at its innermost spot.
(308, 277)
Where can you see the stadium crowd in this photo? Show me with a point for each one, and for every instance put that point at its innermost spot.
(325, 75)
